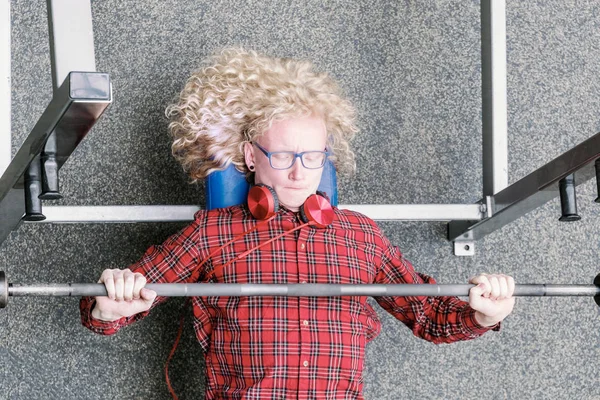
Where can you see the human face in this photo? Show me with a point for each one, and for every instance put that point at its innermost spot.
(293, 185)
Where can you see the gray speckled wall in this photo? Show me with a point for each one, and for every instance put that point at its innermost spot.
(413, 71)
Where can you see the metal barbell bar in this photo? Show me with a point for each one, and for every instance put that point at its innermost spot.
(292, 290)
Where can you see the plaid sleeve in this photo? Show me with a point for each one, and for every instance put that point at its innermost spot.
(86, 305)
(436, 319)
(172, 261)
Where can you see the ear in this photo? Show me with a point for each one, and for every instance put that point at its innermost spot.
(249, 153)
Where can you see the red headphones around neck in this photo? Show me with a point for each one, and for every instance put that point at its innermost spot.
(316, 210)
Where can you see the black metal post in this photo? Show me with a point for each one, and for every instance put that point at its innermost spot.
(33, 189)
(568, 199)
(598, 179)
(50, 170)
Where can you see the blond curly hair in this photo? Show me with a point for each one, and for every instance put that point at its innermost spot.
(238, 95)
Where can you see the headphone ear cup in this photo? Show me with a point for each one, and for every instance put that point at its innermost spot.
(262, 201)
(317, 210)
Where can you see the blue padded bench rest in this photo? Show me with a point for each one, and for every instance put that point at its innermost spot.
(230, 188)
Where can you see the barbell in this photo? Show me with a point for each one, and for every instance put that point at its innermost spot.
(292, 290)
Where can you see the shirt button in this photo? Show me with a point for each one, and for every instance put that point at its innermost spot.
(305, 363)
(302, 246)
(305, 323)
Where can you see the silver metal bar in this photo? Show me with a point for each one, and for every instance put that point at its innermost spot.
(493, 90)
(71, 38)
(132, 214)
(119, 214)
(418, 212)
(5, 85)
(294, 290)
(72, 112)
(532, 191)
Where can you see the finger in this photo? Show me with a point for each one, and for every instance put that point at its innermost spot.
(129, 280)
(481, 278)
(139, 283)
(119, 285)
(495, 292)
(503, 281)
(511, 286)
(109, 283)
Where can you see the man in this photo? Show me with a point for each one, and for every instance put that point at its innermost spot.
(278, 121)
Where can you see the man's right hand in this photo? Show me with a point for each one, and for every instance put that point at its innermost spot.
(127, 295)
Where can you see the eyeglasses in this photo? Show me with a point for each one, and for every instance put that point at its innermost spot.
(286, 159)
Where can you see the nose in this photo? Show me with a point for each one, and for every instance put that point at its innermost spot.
(297, 171)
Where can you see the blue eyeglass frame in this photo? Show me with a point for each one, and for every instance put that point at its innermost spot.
(296, 155)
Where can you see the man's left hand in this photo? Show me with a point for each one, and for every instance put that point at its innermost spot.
(492, 298)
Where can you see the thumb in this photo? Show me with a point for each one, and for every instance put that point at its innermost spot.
(147, 295)
(477, 291)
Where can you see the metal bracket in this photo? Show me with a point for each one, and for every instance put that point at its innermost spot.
(464, 245)
(464, 248)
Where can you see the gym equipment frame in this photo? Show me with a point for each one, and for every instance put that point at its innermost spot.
(54, 137)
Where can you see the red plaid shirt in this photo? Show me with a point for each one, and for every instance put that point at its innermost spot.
(290, 347)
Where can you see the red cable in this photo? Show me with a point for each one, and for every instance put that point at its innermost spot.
(194, 277)
(179, 331)
(216, 269)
